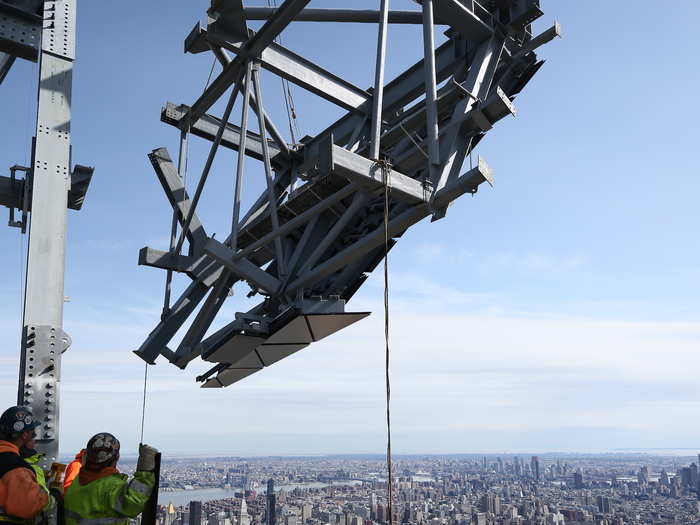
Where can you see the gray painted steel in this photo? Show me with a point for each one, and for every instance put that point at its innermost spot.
(44, 31)
(307, 248)
(43, 338)
(364, 16)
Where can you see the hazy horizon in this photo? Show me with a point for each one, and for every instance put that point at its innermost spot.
(557, 310)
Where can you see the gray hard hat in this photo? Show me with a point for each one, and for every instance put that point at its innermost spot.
(102, 448)
(16, 420)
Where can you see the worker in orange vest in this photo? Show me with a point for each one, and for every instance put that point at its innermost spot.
(73, 469)
(23, 491)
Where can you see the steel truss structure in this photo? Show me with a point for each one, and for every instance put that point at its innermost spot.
(44, 32)
(311, 239)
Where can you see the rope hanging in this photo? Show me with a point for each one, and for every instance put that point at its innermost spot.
(182, 171)
(390, 484)
(143, 406)
(287, 93)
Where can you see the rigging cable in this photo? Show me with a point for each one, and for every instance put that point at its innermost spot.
(390, 491)
(211, 71)
(143, 406)
(287, 93)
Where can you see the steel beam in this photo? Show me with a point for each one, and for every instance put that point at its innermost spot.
(326, 236)
(207, 165)
(397, 225)
(431, 109)
(168, 261)
(176, 193)
(302, 72)
(299, 220)
(20, 32)
(224, 59)
(158, 339)
(397, 93)
(240, 165)
(320, 249)
(378, 93)
(271, 196)
(11, 192)
(479, 119)
(242, 267)
(341, 162)
(6, 62)
(263, 38)
(186, 351)
(207, 127)
(476, 85)
(229, 16)
(542, 39)
(362, 16)
(465, 17)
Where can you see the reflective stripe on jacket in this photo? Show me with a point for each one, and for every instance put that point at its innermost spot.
(110, 500)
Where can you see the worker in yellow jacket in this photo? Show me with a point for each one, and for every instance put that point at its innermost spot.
(100, 494)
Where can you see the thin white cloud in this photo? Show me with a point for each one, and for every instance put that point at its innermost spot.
(471, 367)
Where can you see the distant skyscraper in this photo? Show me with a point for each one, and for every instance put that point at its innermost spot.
(643, 475)
(488, 503)
(195, 513)
(693, 475)
(697, 485)
(686, 477)
(244, 517)
(271, 502)
(578, 479)
(170, 515)
(535, 466)
(603, 504)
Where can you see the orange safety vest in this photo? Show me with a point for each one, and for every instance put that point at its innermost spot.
(73, 469)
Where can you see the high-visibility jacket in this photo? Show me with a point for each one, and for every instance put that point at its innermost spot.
(33, 462)
(73, 469)
(22, 497)
(109, 500)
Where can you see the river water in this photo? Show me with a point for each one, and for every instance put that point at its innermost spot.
(183, 497)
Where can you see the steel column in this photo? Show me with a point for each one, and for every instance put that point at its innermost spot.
(378, 94)
(430, 83)
(43, 337)
(272, 198)
(240, 168)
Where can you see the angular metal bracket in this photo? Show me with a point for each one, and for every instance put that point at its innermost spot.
(39, 381)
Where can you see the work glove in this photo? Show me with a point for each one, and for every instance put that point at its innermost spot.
(147, 458)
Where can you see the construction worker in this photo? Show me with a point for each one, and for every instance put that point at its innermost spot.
(23, 491)
(73, 469)
(100, 494)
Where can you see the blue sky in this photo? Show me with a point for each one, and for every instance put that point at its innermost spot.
(555, 311)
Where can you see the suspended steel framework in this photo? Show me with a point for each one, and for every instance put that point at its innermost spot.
(311, 239)
(39, 195)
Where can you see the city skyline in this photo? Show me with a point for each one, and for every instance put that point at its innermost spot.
(489, 490)
(555, 311)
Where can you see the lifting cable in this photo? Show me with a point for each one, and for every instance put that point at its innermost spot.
(143, 406)
(287, 93)
(183, 159)
(390, 489)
